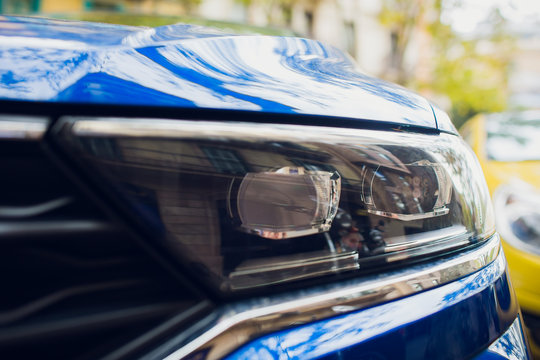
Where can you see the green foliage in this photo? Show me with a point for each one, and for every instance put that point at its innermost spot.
(189, 4)
(401, 17)
(271, 8)
(471, 73)
(474, 82)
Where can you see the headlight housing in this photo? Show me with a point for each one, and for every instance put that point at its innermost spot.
(517, 212)
(249, 205)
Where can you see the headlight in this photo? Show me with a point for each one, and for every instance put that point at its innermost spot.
(248, 205)
(517, 212)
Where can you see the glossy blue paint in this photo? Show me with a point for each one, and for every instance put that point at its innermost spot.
(510, 346)
(454, 321)
(192, 67)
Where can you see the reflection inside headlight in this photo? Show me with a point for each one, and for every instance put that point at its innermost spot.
(406, 192)
(289, 202)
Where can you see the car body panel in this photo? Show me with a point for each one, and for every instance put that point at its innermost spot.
(423, 326)
(76, 62)
(498, 173)
(511, 345)
(524, 268)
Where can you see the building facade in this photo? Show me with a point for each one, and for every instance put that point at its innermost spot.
(350, 25)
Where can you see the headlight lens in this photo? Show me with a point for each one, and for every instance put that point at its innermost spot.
(285, 203)
(517, 212)
(249, 205)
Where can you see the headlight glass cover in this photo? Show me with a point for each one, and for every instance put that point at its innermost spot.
(246, 205)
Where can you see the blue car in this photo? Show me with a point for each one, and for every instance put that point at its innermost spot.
(183, 193)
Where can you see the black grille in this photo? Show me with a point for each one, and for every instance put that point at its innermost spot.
(74, 284)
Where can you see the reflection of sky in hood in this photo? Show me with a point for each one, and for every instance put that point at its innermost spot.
(320, 80)
(54, 60)
(132, 66)
(169, 33)
(39, 74)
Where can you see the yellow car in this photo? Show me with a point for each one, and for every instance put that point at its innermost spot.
(508, 147)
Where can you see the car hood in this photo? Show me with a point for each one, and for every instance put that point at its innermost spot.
(188, 66)
(498, 173)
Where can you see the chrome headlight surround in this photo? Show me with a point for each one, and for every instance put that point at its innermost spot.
(250, 205)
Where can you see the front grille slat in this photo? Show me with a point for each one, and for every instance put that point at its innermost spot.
(75, 283)
(47, 300)
(43, 229)
(85, 324)
(28, 211)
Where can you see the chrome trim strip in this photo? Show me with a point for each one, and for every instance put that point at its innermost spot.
(20, 212)
(236, 324)
(14, 127)
(192, 129)
(404, 242)
(249, 270)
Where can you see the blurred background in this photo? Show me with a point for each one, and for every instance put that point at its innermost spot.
(467, 57)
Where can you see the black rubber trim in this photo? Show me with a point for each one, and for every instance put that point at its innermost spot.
(169, 327)
(57, 110)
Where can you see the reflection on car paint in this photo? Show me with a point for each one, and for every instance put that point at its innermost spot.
(414, 325)
(69, 63)
(510, 346)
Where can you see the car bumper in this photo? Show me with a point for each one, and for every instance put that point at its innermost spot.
(476, 315)
(511, 345)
